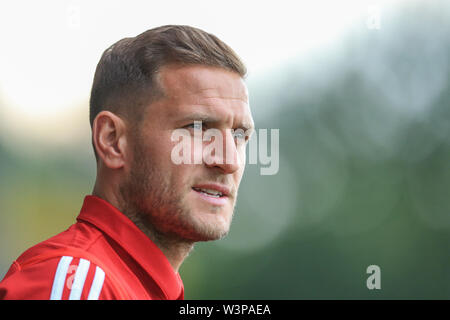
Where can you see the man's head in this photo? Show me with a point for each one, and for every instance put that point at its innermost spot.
(144, 89)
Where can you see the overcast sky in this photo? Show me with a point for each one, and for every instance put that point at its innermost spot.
(50, 48)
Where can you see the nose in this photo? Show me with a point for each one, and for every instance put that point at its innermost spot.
(225, 155)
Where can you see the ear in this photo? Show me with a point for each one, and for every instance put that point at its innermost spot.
(109, 138)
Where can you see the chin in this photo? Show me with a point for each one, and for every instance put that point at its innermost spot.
(210, 236)
(209, 226)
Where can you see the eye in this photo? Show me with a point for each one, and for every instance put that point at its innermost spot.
(239, 135)
(196, 125)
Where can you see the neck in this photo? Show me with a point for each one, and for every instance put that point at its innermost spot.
(175, 249)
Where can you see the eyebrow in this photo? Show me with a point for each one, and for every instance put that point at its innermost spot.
(207, 118)
(200, 116)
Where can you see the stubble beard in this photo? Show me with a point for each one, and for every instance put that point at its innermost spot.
(155, 205)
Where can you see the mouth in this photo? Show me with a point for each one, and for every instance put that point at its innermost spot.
(209, 192)
(213, 193)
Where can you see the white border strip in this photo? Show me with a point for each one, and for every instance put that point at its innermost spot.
(60, 278)
(80, 278)
(97, 284)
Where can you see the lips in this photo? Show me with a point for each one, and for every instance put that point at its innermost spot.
(209, 192)
(216, 194)
(213, 189)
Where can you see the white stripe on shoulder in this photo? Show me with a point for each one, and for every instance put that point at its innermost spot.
(97, 284)
(80, 278)
(60, 278)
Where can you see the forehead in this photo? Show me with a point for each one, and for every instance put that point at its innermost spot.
(203, 88)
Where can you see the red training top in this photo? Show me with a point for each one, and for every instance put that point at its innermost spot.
(104, 255)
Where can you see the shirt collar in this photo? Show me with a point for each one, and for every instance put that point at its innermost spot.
(115, 224)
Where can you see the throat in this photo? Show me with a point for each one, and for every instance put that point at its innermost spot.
(175, 249)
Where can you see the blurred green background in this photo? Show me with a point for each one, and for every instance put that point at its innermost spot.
(364, 173)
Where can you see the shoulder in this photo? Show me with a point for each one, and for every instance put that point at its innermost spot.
(74, 264)
(77, 278)
(62, 267)
(58, 277)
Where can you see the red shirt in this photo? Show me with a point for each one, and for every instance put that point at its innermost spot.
(104, 255)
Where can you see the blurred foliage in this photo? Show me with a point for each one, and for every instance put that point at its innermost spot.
(364, 176)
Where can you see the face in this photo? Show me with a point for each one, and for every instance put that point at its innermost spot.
(194, 202)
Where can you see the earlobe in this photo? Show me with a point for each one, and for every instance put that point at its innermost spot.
(109, 139)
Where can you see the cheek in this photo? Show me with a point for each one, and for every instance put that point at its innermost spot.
(238, 176)
(159, 148)
(242, 157)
